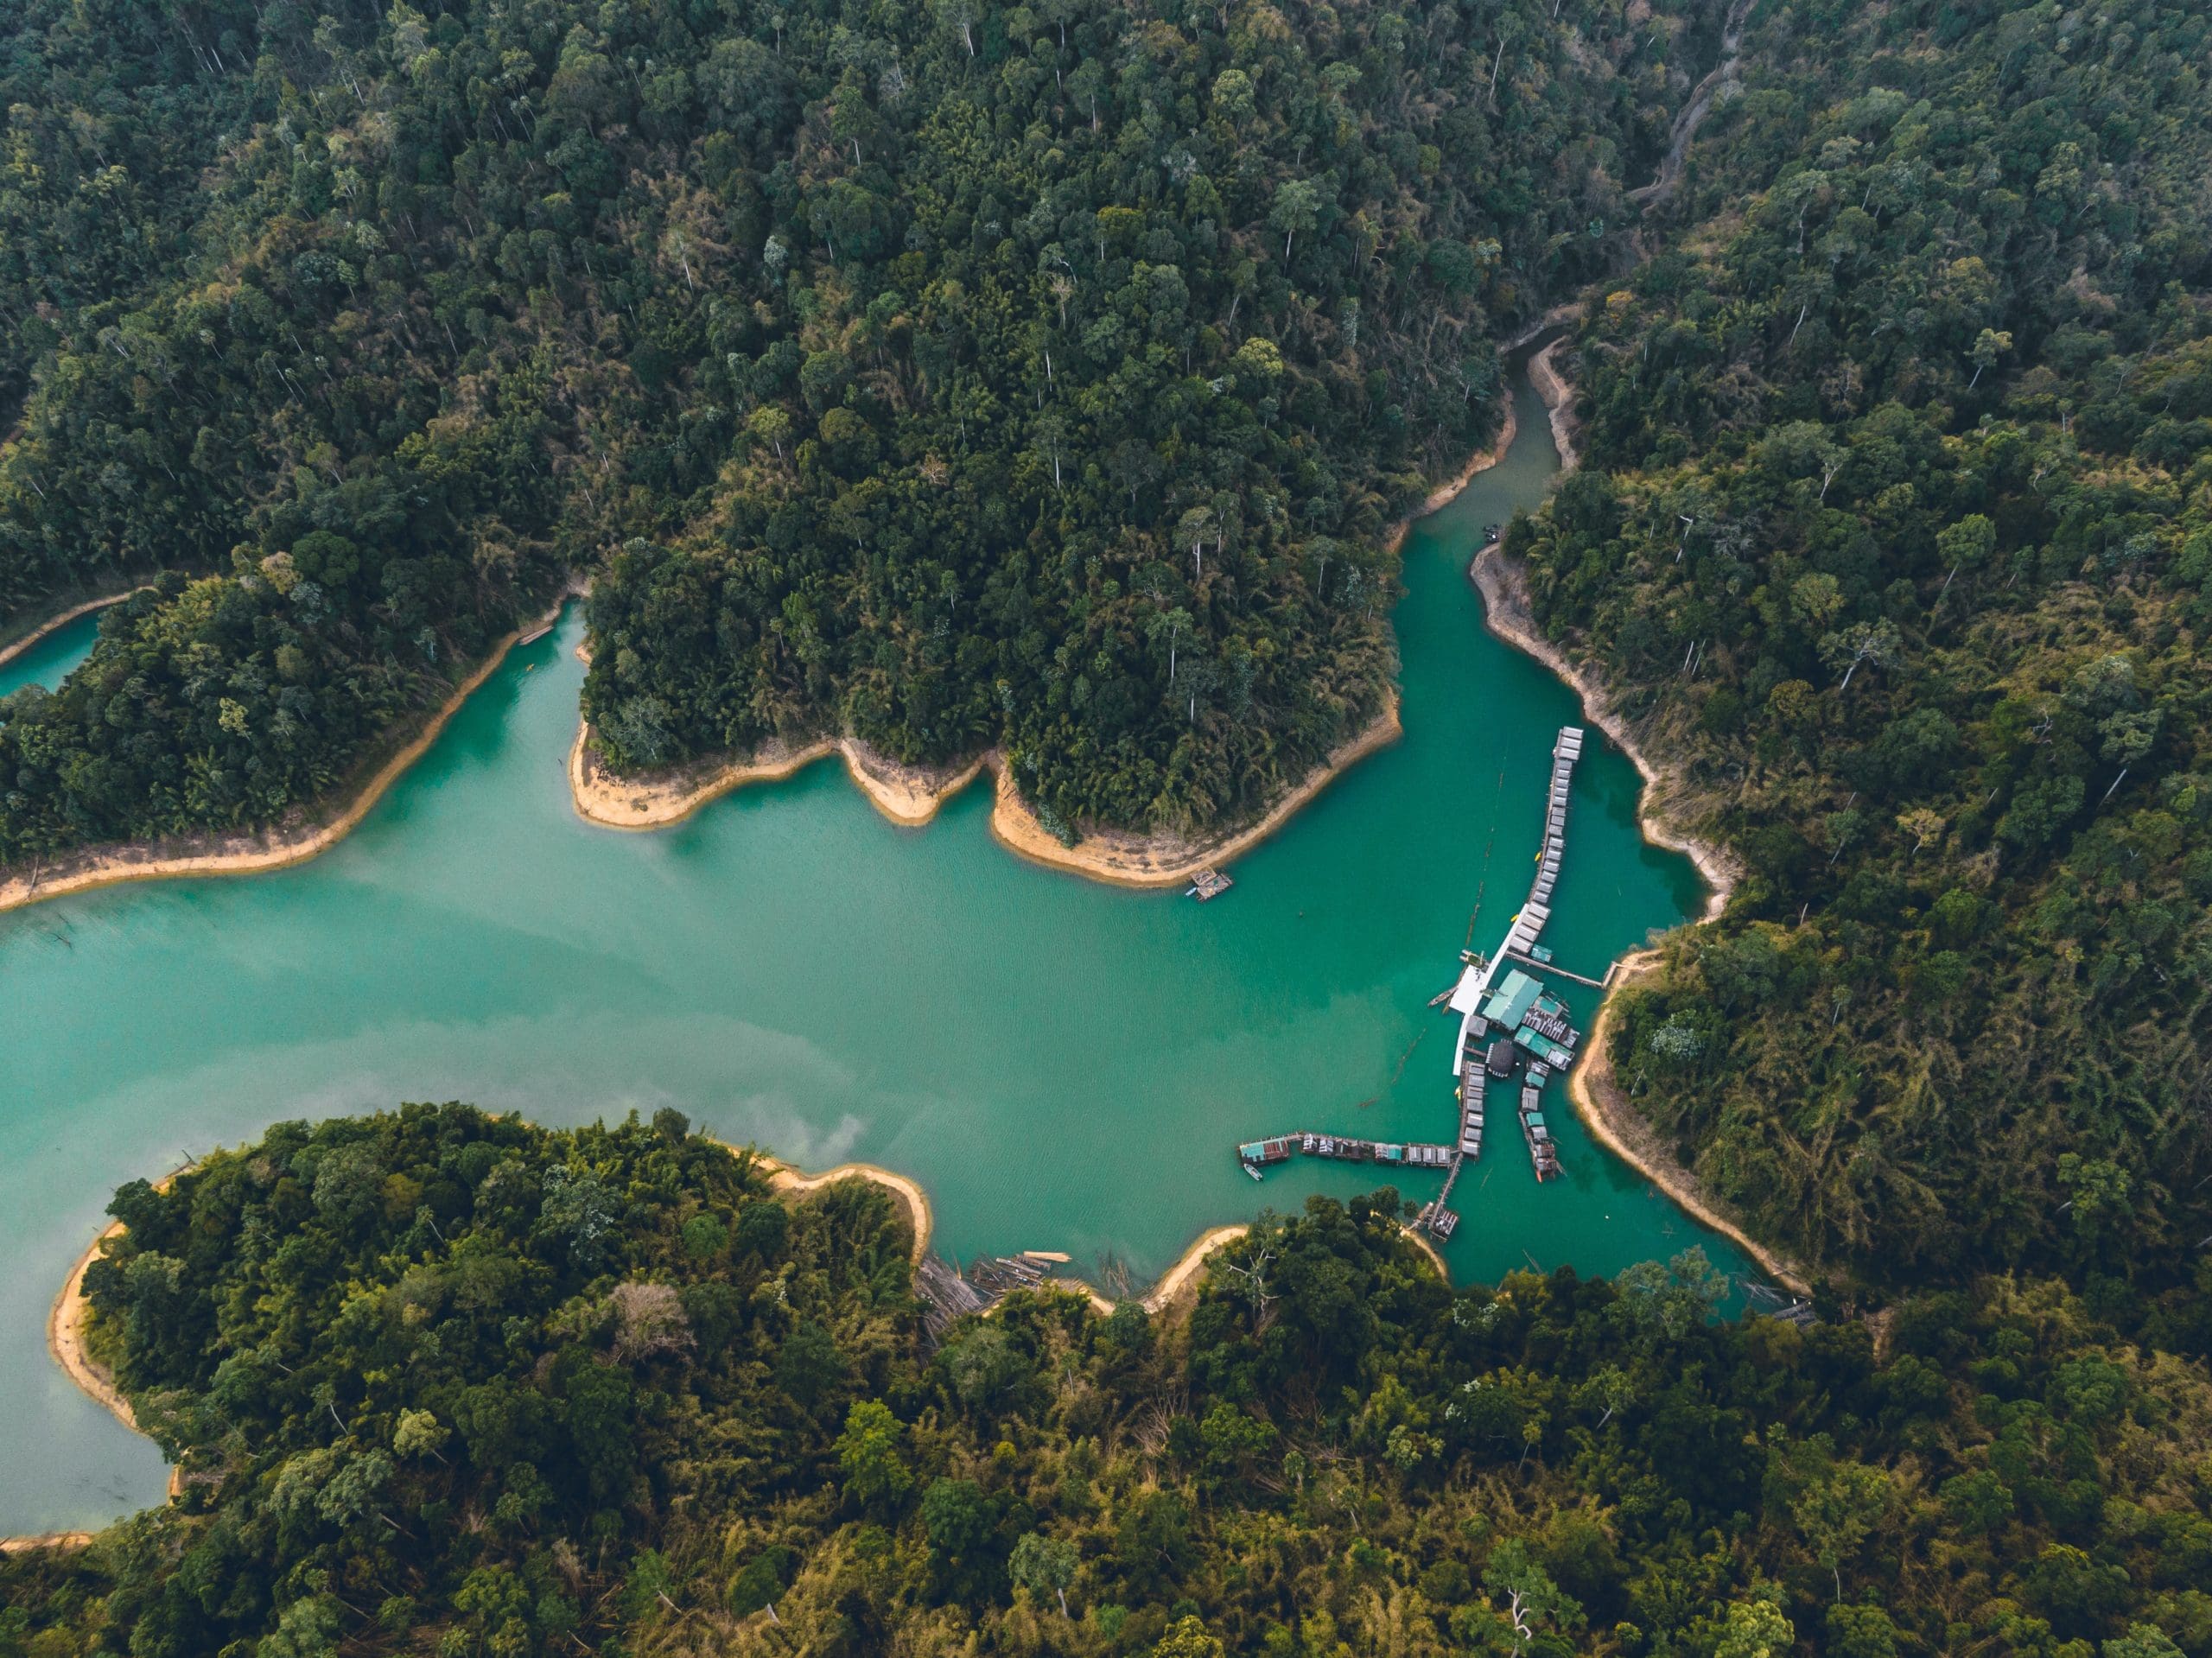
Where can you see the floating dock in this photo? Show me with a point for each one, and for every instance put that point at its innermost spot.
(1209, 884)
(1509, 1024)
(1343, 1149)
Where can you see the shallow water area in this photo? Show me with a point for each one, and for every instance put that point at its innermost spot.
(1063, 1065)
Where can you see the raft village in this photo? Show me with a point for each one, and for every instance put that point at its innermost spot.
(1509, 1026)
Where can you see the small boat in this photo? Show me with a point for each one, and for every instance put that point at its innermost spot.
(1254, 1173)
(1443, 995)
(1489, 534)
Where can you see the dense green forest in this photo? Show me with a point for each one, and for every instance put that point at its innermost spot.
(444, 1383)
(1897, 531)
(954, 375)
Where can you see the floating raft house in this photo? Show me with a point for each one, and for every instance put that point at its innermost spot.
(1507, 1024)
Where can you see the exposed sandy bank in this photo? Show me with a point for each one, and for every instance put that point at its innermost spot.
(909, 796)
(65, 1328)
(1610, 1115)
(1183, 1275)
(1615, 1123)
(1148, 861)
(9, 652)
(1182, 1281)
(250, 853)
(45, 1540)
(1505, 605)
(784, 1177)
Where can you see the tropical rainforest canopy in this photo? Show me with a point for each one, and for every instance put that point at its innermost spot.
(447, 1384)
(946, 375)
(1047, 377)
(1897, 532)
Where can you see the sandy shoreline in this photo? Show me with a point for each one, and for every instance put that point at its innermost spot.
(64, 1334)
(1616, 1124)
(250, 853)
(55, 623)
(910, 796)
(1612, 1120)
(1505, 611)
(782, 1177)
(1157, 860)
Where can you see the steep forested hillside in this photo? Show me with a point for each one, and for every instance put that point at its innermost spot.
(1897, 530)
(447, 1384)
(954, 374)
(1086, 355)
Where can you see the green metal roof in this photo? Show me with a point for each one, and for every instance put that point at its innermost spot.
(1516, 995)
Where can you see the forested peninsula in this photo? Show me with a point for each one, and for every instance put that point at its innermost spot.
(444, 1383)
(942, 378)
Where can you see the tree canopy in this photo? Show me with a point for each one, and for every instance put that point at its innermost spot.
(441, 1383)
(1894, 533)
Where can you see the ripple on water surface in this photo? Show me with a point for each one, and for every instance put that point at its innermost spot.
(1063, 1065)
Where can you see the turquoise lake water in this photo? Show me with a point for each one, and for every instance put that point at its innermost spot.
(49, 661)
(1063, 1065)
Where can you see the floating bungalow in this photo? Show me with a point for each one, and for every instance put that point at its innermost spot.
(1510, 1026)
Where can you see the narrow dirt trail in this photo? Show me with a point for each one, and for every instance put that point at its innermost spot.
(1694, 112)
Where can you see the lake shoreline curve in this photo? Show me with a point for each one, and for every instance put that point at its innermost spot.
(911, 796)
(257, 852)
(66, 1324)
(1600, 1101)
(1615, 1123)
(54, 624)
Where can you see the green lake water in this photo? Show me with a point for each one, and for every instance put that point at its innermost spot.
(49, 661)
(1063, 1065)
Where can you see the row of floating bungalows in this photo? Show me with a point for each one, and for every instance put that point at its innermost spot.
(1259, 1153)
(1565, 753)
(1472, 1086)
(1543, 1153)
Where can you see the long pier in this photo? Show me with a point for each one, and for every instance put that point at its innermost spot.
(1466, 997)
(1409, 1154)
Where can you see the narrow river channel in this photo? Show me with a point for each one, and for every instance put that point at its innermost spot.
(1063, 1065)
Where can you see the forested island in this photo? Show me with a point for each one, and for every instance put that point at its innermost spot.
(1047, 379)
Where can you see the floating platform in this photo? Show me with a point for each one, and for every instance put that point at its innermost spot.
(1209, 884)
(1343, 1148)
